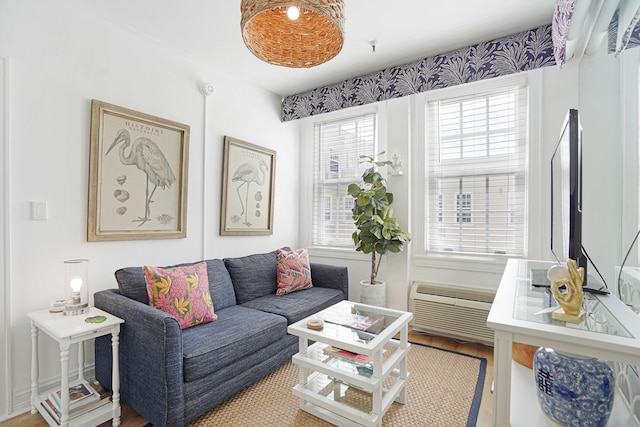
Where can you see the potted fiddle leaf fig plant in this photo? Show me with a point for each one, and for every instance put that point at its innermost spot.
(377, 231)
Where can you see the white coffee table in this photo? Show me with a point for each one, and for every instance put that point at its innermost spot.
(345, 392)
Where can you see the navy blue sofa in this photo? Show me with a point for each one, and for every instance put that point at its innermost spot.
(172, 376)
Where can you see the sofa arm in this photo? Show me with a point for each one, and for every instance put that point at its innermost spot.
(150, 354)
(330, 276)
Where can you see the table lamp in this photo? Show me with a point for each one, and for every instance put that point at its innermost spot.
(76, 287)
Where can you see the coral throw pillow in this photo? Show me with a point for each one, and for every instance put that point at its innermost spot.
(293, 270)
(182, 292)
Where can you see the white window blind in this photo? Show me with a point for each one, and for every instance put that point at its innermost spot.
(338, 147)
(477, 173)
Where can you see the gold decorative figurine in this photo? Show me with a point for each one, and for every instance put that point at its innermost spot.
(570, 299)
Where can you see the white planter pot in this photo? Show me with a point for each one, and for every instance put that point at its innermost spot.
(373, 294)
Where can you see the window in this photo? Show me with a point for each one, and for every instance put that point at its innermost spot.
(334, 163)
(338, 146)
(348, 207)
(463, 207)
(328, 210)
(476, 147)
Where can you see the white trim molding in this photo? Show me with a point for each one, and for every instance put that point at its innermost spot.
(6, 388)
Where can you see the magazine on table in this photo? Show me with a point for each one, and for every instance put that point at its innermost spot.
(347, 355)
(353, 321)
(78, 393)
(366, 370)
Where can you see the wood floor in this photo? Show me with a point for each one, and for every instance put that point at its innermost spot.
(131, 419)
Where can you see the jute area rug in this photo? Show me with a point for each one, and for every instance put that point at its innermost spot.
(444, 389)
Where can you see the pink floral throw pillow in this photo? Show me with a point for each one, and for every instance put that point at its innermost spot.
(293, 271)
(182, 292)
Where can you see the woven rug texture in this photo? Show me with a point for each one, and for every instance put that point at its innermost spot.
(444, 389)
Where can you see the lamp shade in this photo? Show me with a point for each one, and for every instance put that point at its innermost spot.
(76, 286)
(316, 36)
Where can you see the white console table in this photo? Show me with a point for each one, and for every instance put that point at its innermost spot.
(610, 331)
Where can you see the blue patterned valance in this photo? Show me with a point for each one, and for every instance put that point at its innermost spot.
(524, 51)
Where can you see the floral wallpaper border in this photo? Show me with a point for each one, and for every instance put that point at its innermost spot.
(562, 15)
(523, 51)
(631, 36)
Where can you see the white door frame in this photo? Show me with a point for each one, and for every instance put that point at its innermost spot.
(6, 386)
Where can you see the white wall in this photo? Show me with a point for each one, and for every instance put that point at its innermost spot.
(629, 202)
(62, 56)
(5, 389)
(601, 117)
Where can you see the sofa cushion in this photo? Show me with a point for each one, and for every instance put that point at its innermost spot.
(132, 284)
(182, 292)
(253, 276)
(237, 332)
(297, 305)
(292, 270)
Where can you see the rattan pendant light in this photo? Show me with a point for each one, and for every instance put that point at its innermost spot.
(313, 38)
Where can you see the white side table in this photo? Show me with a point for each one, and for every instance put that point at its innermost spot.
(67, 330)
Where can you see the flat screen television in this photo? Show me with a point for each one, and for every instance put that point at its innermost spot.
(566, 193)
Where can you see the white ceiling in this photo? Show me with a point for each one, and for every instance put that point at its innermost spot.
(403, 30)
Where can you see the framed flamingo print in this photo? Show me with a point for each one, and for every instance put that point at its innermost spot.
(248, 182)
(137, 175)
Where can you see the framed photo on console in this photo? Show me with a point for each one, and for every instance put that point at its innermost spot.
(138, 169)
(248, 183)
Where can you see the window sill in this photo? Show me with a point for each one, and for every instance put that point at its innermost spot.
(471, 263)
(485, 264)
(339, 253)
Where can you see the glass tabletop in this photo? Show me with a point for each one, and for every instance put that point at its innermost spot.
(353, 323)
(535, 304)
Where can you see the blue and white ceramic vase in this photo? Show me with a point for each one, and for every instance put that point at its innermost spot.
(573, 390)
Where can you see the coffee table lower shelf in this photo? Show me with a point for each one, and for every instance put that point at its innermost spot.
(344, 404)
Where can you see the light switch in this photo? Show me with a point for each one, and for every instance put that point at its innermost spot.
(39, 210)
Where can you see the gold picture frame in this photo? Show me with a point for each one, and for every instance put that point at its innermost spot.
(248, 182)
(138, 169)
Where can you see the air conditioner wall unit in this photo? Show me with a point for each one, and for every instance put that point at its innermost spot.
(451, 310)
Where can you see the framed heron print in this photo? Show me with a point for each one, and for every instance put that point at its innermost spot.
(248, 182)
(137, 175)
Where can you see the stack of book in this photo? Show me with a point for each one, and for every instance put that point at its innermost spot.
(83, 397)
